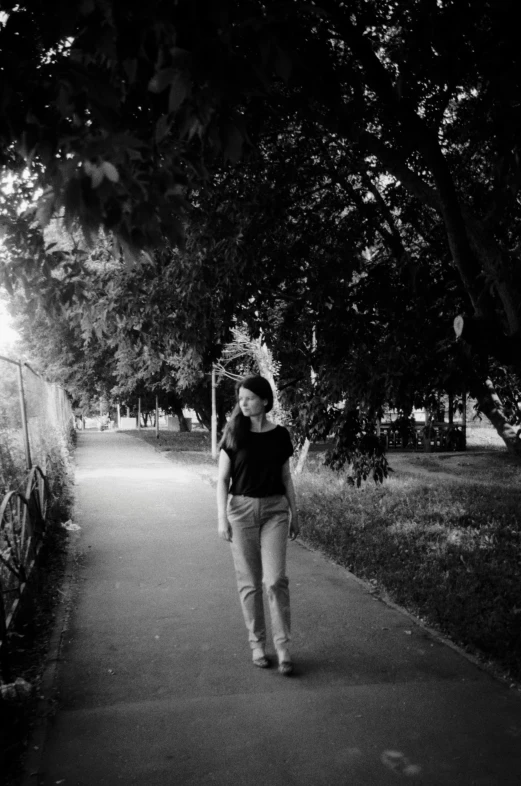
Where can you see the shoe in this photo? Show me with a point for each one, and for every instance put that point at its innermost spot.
(260, 660)
(285, 664)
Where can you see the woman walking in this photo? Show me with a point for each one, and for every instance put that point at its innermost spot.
(257, 513)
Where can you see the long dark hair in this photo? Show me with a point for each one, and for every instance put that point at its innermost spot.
(238, 426)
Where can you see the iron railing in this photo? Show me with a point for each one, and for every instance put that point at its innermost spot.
(35, 416)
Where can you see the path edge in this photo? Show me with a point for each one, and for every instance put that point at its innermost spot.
(381, 595)
(46, 704)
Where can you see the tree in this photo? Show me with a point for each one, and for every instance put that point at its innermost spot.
(435, 120)
(415, 104)
(131, 333)
(118, 106)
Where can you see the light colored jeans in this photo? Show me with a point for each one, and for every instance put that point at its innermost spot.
(259, 538)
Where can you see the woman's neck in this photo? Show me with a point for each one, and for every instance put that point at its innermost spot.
(258, 422)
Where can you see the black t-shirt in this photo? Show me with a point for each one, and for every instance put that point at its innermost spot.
(257, 466)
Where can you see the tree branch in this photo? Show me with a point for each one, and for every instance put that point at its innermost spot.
(388, 216)
(445, 199)
(394, 242)
(396, 166)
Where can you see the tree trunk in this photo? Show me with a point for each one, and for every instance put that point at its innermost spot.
(176, 405)
(427, 433)
(202, 417)
(264, 360)
(491, 406)
(302, 457)
(178, 411)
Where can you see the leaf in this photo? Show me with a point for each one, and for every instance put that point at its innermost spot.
(110, 172)
(96, 176)
(161, 80)
(178, 93)
(44, 210)
(192, 126)
(179, 56)
(162, 128)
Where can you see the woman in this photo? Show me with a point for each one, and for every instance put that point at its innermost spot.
(258, 515)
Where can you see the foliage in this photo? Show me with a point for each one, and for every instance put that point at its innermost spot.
(449, 554)
(364, 451)
(133, 332)
(119, 107)
(348, 171)
(12, 458)
(243, 357)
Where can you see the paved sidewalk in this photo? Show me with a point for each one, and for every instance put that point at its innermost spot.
(155, 682)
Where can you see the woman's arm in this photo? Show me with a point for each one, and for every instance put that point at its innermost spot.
(287, 480)
(223, 484)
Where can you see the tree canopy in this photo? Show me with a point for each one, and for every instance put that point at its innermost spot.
(340, 175)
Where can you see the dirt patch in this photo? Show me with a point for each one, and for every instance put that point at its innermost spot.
(484, 468)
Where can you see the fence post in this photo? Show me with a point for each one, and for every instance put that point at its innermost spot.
(23, 412)
(214, 415)
(5, 672)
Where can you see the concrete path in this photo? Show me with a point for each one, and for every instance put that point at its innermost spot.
(155, 682)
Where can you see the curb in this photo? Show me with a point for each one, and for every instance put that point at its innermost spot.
(379, 594)
(45, 707)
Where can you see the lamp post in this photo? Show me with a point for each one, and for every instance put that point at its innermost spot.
(23, 412)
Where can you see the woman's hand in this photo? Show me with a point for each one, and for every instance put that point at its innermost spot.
(224, 530)
(223, 482)
(294, 528)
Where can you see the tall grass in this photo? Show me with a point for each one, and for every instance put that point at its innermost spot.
(450, 554)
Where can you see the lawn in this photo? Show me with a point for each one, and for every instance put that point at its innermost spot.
(442, 537)
(192, 444)
(448, 549)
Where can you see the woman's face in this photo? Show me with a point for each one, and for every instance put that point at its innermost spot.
(250, 403)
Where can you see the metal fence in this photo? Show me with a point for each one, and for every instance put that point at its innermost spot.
(36, 420)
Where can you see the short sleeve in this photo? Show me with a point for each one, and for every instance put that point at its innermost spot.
(287, 444)
(228, 451)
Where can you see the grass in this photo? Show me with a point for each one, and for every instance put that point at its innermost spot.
(187, 446)
(446, 549)
(449, 553)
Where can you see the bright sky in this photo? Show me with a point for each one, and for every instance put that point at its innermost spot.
(7, 334)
